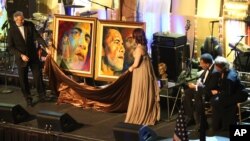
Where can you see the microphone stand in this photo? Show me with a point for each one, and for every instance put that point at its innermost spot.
(106, 7)
(234, 48)
(236, 56)
(5, 90)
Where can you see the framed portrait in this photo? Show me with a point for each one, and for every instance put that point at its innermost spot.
(74, 40)
(114, 48)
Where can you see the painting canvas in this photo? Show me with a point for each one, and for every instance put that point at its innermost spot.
(114, 48)
(75, 44)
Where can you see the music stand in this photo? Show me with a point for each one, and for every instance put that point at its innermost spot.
(5, 90)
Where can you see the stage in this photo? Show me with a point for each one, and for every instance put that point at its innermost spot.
(96, 125)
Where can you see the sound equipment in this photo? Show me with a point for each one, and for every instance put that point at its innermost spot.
(242, 55)
(241, 62)
(13, 113)
(173, 57)
(55, 121)
(133, 132)
(169, 39)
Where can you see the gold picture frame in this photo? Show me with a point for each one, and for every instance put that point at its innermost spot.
(74, 40)
(114, 48)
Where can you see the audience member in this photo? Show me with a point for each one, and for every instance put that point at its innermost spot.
(225, 99)
(200, 91)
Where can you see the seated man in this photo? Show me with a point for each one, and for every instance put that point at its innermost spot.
(207, 81)
(225, 99)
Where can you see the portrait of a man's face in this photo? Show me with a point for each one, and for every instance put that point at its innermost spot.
(114, 50)
(75, 45)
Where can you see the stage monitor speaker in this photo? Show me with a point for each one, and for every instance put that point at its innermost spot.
(55, 121)
(13, 113)
(133, 132)
(173, 57)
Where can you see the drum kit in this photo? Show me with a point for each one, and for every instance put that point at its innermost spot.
(88, 13)
(42, 24)
(43, 21)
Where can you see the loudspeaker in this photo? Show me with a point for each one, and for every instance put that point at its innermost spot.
(173, 57)
(133, 132)
(55, 121)
(13, 113)
(169, 39)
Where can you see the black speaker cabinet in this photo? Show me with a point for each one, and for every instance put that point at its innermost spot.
(169, 39)
(55, 121)
(173, 57)
(132, 132)
(13, 113)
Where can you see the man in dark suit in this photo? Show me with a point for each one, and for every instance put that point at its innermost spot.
(21, 42)
(225, 99)
(195, 95)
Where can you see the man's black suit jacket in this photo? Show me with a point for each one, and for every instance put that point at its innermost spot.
(231, 89)
(18, 45)
(211, 83)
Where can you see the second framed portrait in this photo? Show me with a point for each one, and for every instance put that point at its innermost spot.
(74, 39)
(114, 48)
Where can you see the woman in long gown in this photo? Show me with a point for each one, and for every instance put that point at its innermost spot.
(143, 108)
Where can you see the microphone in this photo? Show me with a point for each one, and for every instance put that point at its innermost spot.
(216, 21)
(5, 24)
(242, 35)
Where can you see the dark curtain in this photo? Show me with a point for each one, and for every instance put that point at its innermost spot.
(116, 95)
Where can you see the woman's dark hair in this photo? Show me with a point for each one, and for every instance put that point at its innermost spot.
(139, 36)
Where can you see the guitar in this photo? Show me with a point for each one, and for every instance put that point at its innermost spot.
(187, 26)
(189, 60)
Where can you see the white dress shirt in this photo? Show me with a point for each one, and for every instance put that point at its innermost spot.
(21, 28)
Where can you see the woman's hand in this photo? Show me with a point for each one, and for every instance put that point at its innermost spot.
(130, 69)
(48, 51)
